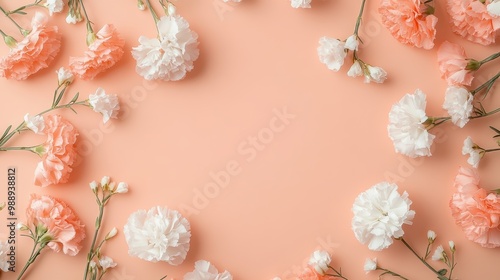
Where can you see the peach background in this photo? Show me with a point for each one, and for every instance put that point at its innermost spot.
(295, 194)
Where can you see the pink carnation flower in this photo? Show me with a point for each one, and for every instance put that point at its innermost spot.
(408, 23)
(103, 53)
(453, 62)
(471, 20)
(35, 52)
(476, 210)
(59, 152)
(64, 229)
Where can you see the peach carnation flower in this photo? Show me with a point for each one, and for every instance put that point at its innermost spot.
(453, 63)
(64, 230)
(476, 210)
(104, 52)
(408, 22)
(35, 52)
(58, 152)
(471, 20)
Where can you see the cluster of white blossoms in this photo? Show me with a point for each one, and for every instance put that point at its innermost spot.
(379, 215)
(333, 52)
(171, 55)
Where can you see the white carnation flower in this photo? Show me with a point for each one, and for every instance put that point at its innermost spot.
(370, 265)
(473, 151)
(106, 104)
(375, 74)
(332, 53)
(494, 8)
(35, 123)
(300, 3)
(54, 6)
(74, 17)
(4, 250)
(204, 270)
(406, 126)
(320, 260)
(379, 215)
(106, 262)
(458, 103)
(171, 56)
(159, 234)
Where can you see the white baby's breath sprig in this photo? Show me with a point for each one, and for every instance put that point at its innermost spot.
(97, 264)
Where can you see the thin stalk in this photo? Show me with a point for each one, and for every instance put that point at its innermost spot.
(421, 259)
(6, 13)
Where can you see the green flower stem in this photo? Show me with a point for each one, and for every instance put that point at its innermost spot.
(358, 21)
(7, 137)
(338, 273)
(489, 58)
(89, 23)
(488, 84)
(491, 150)
(34, 254)
(154, 14)
(36, 3)
(485, 115)
(7, 14)
(441, 277)
(452, 264)
(93, 250)
(29, 149)
(392, 273)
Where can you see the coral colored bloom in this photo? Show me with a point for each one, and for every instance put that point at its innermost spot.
(104, 52)
(309, 273)
(59, 152)
(64, 229)
(408, 23)
(35, 52)
(453, 62)
(476, 210)
(471, 20)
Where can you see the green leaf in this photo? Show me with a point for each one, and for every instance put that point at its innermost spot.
(6, 132)
(494, 129)
(443, 271)
(20, 12)
(59, 98)
(75, 98)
